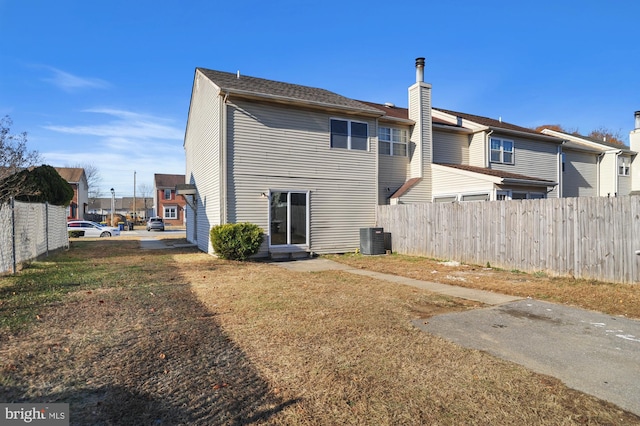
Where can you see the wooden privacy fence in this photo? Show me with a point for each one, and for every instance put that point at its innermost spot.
(586, 237)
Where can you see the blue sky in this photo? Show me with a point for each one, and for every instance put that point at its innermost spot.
(108, 83)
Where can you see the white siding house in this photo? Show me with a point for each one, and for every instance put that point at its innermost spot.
(310, 166)
(299, 162)
(593, 167)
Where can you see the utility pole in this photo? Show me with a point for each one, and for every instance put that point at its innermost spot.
(134, 197)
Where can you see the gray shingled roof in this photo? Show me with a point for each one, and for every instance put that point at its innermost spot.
(496, 173)
(276, 90)
(495, 124)
(163, 181)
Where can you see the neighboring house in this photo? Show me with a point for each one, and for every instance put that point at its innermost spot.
(473, 158)
(141, 210)
(593, 167)
(310, 166)
(167, 204)
(78, 181)
(102, 206)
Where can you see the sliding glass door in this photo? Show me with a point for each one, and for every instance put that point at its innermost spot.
(288, 218)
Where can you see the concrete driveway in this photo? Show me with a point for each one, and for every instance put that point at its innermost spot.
(592, 352)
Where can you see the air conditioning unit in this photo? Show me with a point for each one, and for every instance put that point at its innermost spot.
(372, 241)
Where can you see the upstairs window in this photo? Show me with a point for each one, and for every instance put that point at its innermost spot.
(167, 194)
(501, 151)
(393, 141)
(624, 166)
(349, 134)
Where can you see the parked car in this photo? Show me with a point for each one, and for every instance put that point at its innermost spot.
(155, 223)
(85, 228)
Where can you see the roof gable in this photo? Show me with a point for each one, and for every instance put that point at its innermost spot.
(489, 122)
(71, 174)
(586, 140)
(279, 91)
(167, 181)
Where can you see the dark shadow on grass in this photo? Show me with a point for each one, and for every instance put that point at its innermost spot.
(115, 405)
(151, 355)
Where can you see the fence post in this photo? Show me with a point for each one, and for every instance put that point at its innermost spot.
(13, 235)
(46, 226)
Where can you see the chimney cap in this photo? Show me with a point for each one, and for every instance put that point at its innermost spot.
(419, 62)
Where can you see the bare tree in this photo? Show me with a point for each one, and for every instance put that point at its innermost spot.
(14, 155)
(145, 191)
(601, 133)
(92, 173)
(607, 135)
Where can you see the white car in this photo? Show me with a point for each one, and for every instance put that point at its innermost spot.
(91, 229)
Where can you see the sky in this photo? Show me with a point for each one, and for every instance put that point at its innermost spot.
(108, 83)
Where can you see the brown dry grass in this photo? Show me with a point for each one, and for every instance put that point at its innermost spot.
(177, 337)
(614, 299)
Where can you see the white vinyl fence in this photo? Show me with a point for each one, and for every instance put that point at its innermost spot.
(587, 237)
(28, 230)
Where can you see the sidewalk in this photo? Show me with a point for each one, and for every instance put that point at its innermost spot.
(320, 264)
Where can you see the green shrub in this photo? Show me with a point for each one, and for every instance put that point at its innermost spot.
(236, 241)
(76, 234)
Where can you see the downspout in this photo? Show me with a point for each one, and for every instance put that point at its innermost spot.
(616, 177)
(598, 167)
(223, 162)
(560, 171)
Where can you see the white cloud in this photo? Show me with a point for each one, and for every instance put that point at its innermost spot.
(69, 82)
(119, 143)
(130, 125)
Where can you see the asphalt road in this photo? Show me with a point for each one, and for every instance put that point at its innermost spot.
(592, 352)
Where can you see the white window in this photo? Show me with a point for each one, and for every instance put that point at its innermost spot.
(501, 151)
(623, 166)
(167, 194)
(445, 199)
(170, 212)
(475, 197)
(513, 195)
(349, 134)
(393, 141)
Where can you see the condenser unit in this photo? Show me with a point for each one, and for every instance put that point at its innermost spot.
(372, 241)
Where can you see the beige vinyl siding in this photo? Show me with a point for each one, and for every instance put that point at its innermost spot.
(580, 176)
(202, 149)
(624, 182)
(450, 148)
(392, 174)
(447, 182)
(624, 185)
(532, 158)
(274, 147)
(419, 193)
(478, 150)
(608, 174)
(420, 149)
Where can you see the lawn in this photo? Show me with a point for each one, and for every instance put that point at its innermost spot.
(178, 337)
